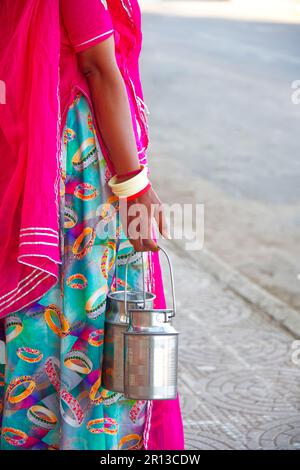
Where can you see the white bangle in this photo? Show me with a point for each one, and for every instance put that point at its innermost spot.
(132, 185)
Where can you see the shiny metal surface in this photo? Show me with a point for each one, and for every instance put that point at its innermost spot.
(150, 320)
(151, 351)
(113, 357)
(141, 345)
(151, 366)
(115, 310)
(116, 323)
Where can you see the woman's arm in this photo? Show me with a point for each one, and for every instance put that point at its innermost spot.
(112, 111)
(111, 104)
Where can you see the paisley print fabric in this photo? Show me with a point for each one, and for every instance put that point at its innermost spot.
(50, 385)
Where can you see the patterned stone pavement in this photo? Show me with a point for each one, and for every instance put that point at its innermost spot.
(239, 386)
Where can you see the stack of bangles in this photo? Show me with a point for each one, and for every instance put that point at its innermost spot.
(135, 186)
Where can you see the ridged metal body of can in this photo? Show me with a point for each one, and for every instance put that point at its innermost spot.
(151, 355)
(116, 323)
(151, 351)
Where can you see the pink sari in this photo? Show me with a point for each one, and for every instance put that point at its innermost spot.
(29, 196)
(29, 178)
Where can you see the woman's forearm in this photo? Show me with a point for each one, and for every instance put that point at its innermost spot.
(112, 112)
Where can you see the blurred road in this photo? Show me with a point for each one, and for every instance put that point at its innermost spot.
(223, 124)
(238, 385)
(224, 131)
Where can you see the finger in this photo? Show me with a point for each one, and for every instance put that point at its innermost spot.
(146, 232)
(137, 244)
(161, 221)
(149, 245)
(134, 237)
(144, 245)
(139, 231)
(134, 227)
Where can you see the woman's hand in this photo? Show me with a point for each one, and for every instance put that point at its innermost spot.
(137, 216)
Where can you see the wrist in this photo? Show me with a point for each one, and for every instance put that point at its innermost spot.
(139, 193)
(127, 186)
(126, 176)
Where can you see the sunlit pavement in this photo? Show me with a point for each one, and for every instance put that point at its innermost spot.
(238, 384)
(223, 131)
(222, 118)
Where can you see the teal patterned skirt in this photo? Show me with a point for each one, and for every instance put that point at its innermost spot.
(51, 395)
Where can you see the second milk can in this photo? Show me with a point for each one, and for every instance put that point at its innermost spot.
(151, 350)
(116, 323)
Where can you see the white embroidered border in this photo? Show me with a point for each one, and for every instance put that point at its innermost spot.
(20, 282)
(39, 228)
(40, 256)
(21, 288)
(148, 425)
(30, 278)
(58, 149)
(27, 292)
(34, 300)
(32, 234)
(127, 8)
(37, 243)
(96, 37)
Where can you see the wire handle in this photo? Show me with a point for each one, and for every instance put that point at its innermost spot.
(162, 310)
(125, 282)
(172, 283)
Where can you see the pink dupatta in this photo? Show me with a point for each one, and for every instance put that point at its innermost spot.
(29, 149)
(30, 132)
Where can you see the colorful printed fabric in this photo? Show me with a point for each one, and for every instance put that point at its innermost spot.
(50, 388)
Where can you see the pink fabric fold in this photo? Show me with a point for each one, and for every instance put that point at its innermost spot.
(164, 427)
(30, 134)
(29, 180)
(29, 149)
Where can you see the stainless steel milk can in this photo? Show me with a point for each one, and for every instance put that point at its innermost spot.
(151, 349)
(116, 323)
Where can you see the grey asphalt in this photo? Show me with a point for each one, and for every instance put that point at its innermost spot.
(239, 387)
(223, 131)
(222, 91)
(219, 94)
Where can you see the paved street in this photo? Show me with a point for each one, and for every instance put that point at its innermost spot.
(224, 132)
(239, 387)
(219, 94)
